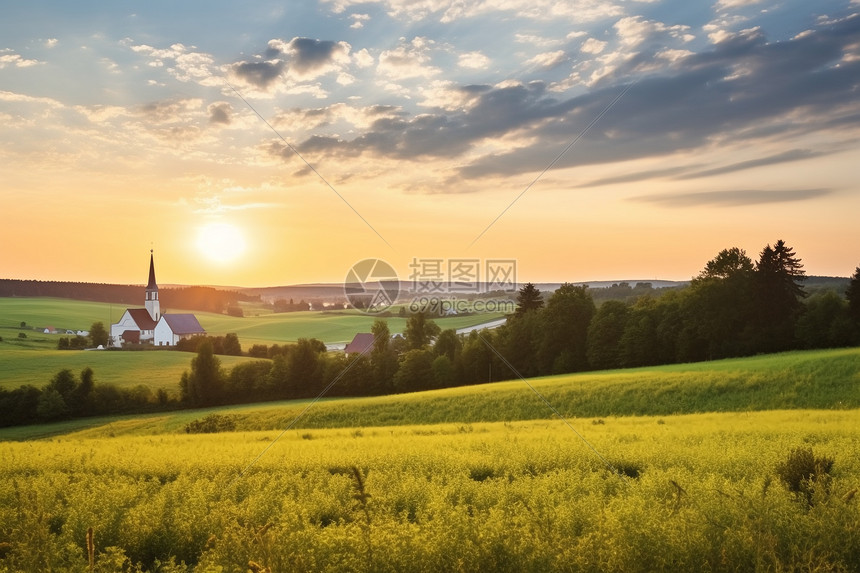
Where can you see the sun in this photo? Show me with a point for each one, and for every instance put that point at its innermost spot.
(220, 242)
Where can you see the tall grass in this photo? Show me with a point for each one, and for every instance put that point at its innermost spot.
(707, 498)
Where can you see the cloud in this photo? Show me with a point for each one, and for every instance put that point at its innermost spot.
(362, 58)
(447, 11)
(188, 65)
(731, 198)
(636, 177)
(17, 61)
(731, 4)
(358, 20)
(410, 59)
(473, 61)
(548, 59)
(743, 92)
(170, 111)
(301, 59)
(593, 46)
(539, 41)
(220, 113)
(24, 98)
(788, 88)
(51, 43)
(785, 157)
(260, 75)
(309, 58)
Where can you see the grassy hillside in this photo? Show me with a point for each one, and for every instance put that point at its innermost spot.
(827, 379)
(155, 369)
(263, 329)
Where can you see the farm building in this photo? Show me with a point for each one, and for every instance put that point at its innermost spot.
(147, 324)
(172, 328)
(361, 343)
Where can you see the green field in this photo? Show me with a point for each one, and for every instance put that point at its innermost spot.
(330, 327)
(34, 360)
(154, 369)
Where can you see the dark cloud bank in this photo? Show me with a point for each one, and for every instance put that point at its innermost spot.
(743, 89)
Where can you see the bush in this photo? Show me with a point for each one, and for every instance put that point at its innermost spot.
(211, 424)
(802, 472)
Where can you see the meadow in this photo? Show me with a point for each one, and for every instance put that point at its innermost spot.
(20, 364)
(155, 370)
(265, 328)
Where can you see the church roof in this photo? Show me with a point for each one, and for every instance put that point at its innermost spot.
(151, 285)
(361, 343)
(141, 318)
(131, 336)
(183, 323)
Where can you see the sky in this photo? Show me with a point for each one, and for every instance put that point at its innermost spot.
(272, 143)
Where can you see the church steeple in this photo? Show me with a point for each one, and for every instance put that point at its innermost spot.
(152, 304)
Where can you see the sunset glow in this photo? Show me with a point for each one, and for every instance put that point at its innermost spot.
(220, 242)
(260, 144)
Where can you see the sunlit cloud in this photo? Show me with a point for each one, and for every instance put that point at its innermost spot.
(733, 198)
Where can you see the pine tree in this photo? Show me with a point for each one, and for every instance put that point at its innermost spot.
(528, 298)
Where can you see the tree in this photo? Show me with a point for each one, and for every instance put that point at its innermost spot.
(51, 405)
(231, 345)
(63, 382)
(79, 399)
(777, 293)
(565, 319)
(419, 331)
(383, 358)
(443, 371)
(98, 334)
(204, 384)
(825, 322)
(304, 368)
(448, 344)
(415, 372)
(728, 263)
(529, 298)
(853, 295)
(604, 335)
(720, 307)
(519, 341)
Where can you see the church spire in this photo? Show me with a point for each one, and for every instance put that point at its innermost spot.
(151, 285)
(152, 304)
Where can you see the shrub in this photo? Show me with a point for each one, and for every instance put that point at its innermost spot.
(629, 469)
(802, 472)
(211, 424)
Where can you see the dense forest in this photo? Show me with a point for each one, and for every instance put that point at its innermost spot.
(206, 299)
(734, 307)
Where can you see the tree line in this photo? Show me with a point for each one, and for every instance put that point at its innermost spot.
(206, 299)
(735, 307)
(70, 396)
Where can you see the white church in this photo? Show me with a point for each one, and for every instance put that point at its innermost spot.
(148, 325)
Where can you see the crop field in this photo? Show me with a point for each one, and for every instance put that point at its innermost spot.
(680, 493)
(677, 468)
